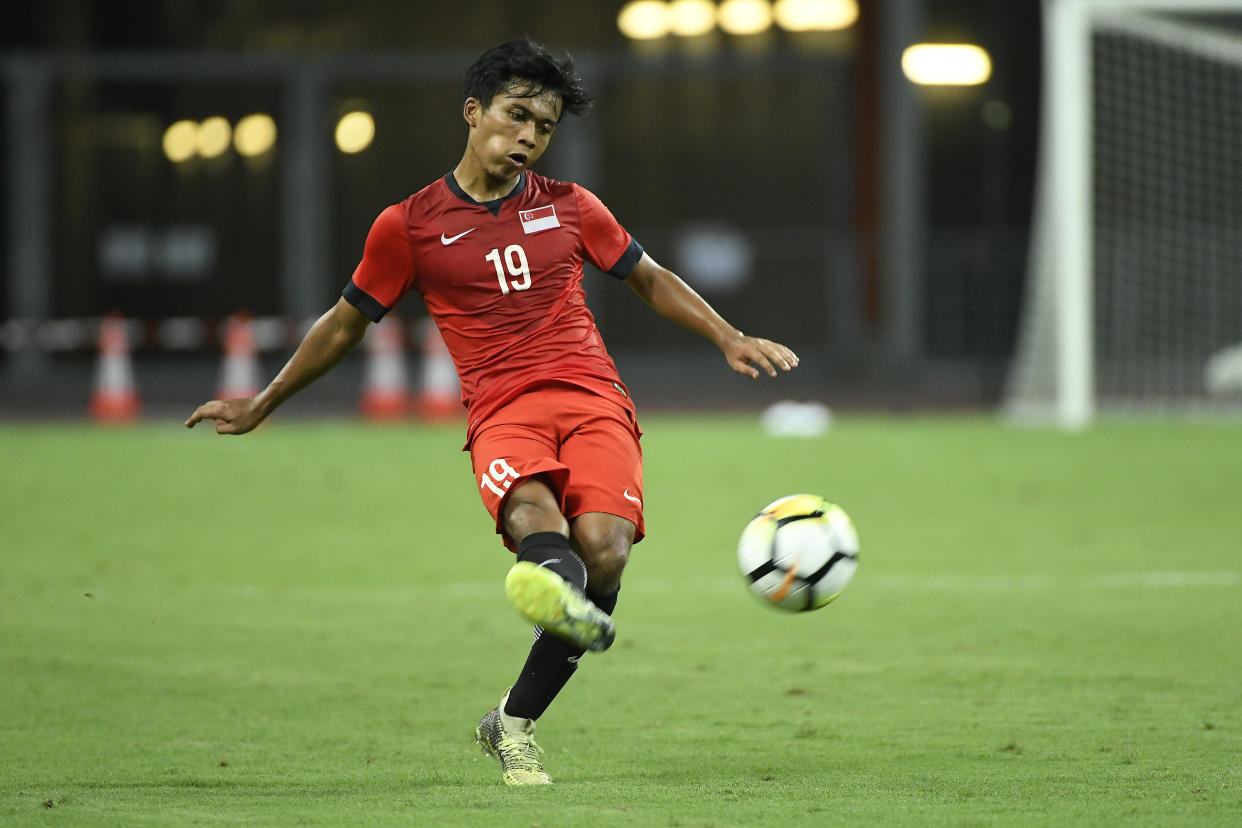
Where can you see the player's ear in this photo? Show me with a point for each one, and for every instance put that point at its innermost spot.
(472, 111)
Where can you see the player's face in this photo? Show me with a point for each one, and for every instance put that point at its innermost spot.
(514, 130)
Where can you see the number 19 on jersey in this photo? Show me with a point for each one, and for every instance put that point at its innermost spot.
(515, 261)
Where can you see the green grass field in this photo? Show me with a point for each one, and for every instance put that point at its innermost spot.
(302, 626)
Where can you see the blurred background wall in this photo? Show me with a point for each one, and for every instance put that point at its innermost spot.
(800, 180)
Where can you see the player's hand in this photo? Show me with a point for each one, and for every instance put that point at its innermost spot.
(744, 353)
(234, 416)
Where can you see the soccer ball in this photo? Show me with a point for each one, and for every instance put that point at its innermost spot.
(799, 552)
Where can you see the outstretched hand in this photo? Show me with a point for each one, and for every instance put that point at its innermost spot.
(234, 416)
(745, 352)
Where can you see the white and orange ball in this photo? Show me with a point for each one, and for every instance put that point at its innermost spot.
(799, 552)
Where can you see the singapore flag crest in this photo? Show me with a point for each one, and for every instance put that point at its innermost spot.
(540, 218)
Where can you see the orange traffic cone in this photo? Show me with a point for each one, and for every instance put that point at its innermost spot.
(385, 391)
(239, 372)
(114, 399)
(439, 397)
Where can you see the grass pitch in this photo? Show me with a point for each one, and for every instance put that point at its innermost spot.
(304, 624)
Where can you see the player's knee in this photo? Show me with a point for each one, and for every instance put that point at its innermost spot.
(603, 543)
(532, 507)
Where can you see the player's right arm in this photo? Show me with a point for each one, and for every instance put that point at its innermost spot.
(331, 337)
(384, 274)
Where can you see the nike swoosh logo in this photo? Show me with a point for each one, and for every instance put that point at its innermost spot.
(626, 494)
(450, 239)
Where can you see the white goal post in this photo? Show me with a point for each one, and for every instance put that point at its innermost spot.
(1134, 289)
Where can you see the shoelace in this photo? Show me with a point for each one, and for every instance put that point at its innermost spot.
(520, 751)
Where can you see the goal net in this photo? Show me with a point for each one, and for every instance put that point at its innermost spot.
(1134, 290)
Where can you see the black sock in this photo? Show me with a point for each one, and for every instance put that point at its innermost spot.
(552, 550)
(608, 602)
(550, 665)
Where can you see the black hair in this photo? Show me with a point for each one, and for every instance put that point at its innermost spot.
(523, 59)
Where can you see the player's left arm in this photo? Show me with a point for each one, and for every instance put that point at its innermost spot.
(673, 299)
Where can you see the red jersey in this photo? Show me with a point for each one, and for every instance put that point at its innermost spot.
(503, 281)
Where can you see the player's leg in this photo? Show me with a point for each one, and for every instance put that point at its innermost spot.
(547, 585)
(520, 481)
(548, 582)
(525, 494)
(519, 477)
(603, 497)
(606, 475)
(531, 508)
(603, 542)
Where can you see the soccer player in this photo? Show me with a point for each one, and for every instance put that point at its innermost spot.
(496, 251)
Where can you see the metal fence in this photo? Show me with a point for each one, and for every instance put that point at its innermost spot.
(739, 171)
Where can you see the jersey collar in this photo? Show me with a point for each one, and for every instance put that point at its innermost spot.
(494, 205)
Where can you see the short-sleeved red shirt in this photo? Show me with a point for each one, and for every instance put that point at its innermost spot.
(503, 281)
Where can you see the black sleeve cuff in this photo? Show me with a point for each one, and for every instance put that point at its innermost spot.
(628, 261)
(367, 304)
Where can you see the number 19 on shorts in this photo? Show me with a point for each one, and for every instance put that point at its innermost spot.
(500, 476)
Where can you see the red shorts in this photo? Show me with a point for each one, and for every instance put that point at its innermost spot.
(586, 446)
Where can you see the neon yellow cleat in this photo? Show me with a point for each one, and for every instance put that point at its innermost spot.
(558, 606)
(512, 741)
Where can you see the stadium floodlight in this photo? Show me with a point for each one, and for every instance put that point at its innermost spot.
(1134, 294)
(214, 136)
(815, 15)
(691, 18)
(254, 135)
(180, 140)
(355, 132)
(744, 17)
(644, 19)
(946, 64)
